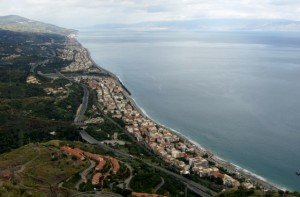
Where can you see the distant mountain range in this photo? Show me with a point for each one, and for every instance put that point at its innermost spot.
(209, 25)
(20, 24)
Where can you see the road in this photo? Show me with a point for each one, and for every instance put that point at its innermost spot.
(35, 65)
(197, 188)
(84, 173)
(85, 99)
(193, 186)
(127, 180)
(159, 185)
(82, 108)
(117, 125)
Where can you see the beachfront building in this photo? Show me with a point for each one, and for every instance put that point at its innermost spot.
(171, 148)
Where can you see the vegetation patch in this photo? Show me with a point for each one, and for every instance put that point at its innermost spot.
(39, 167)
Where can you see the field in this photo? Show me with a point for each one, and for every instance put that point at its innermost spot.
(38, 169)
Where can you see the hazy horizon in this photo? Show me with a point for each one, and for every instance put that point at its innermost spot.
(78, 14)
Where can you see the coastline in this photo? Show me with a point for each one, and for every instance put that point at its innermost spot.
(230, 167)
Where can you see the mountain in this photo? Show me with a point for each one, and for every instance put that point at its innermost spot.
(21, 24)
(209, 25)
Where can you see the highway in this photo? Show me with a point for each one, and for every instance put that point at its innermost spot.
(82, 108)
(85, 99)
(193, 186)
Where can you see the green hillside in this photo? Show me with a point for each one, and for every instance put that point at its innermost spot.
(20, 24)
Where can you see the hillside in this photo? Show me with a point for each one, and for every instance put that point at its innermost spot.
(38, 104)
(53, 99)
(36, 170)
(21, 24)
(28, 109)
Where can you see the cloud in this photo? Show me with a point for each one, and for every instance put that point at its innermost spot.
(79, 13)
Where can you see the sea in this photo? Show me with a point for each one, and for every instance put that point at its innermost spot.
(237, 94)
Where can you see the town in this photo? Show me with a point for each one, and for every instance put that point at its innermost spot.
(171, 147)
(72, 128)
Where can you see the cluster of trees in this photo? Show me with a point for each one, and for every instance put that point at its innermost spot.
(36, 132)
(103, 130)
(27, 113)
(26, 37)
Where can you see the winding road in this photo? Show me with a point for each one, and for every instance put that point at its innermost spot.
(159, 185)
(84, 173)
(193, 186)
(127, 180)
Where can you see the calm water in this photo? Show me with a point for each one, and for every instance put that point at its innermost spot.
(236, 94)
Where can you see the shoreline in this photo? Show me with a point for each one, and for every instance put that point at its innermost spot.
(229, 166)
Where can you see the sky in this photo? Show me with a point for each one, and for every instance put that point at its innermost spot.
(84, 13)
